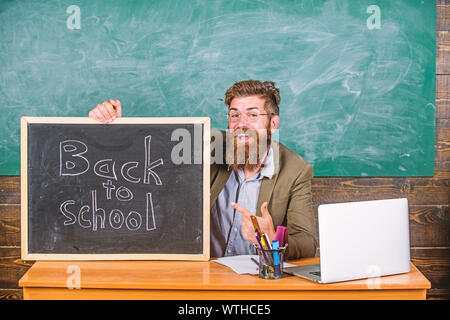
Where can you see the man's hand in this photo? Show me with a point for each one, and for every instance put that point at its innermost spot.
(107, 111)
(265, 223)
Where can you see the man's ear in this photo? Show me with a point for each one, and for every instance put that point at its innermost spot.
(274, 122)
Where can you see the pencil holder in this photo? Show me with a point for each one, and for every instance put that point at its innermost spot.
(271, 262)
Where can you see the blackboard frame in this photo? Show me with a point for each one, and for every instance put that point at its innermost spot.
(206, 132)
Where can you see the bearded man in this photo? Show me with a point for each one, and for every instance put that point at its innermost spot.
(259, 176)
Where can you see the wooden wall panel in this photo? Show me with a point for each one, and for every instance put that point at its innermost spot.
(434, 263)
(443, 15)
(419, 191)
(12, 268)
(11, 294)
(443, 52)
(10, 190)
(442, 148)
(9, 225)
(442, 97)
(429, 226)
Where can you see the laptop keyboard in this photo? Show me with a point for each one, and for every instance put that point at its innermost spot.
(317, 273)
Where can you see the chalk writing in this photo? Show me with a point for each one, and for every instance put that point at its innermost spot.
(74, 162)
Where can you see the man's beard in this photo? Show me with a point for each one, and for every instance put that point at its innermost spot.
(247, 155)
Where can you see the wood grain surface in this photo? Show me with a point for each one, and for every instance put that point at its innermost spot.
(429, 197)
(202, 280)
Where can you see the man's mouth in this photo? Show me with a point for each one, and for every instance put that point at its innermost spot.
(243, 138)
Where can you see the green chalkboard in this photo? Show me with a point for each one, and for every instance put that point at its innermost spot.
(114, 192)
(357, 78)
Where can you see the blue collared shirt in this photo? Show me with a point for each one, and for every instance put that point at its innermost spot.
(226, 234)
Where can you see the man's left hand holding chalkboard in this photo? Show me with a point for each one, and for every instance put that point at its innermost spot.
(107, 111)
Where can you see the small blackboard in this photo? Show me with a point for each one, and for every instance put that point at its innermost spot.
(136, 189)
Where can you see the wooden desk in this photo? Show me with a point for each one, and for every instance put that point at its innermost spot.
(201, 280)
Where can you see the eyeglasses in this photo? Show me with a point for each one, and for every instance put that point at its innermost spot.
(251, 116)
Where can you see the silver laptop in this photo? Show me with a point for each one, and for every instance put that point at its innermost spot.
(360, 240)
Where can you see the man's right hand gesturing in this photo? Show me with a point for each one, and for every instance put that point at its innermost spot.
(107, 111)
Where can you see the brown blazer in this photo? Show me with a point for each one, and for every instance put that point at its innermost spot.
(289, 198)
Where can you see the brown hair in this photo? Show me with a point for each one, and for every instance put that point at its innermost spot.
(265, 90)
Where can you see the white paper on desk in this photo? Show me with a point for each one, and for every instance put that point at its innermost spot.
(243, 264)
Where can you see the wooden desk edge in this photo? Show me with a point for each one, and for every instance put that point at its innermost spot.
(39, 293)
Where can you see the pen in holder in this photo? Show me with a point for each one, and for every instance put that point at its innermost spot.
(271, 261)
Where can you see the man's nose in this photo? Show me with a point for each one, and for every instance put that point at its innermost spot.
(243, 122)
